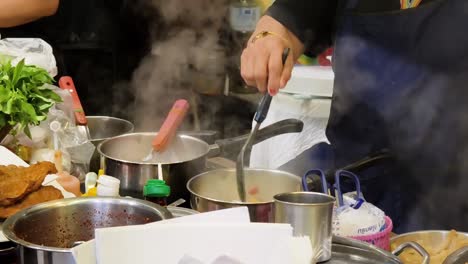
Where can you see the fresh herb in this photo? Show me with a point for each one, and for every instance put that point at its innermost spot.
(24, 98)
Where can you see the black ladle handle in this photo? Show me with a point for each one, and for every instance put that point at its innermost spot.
(264, 105)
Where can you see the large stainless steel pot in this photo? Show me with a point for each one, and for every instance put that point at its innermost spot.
(217, 189)
(46, 232)
(104, 127)
(123, 157)
(433, 239)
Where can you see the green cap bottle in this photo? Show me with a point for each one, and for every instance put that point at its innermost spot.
(156, 188)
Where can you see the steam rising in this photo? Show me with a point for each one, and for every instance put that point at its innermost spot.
(179, 57)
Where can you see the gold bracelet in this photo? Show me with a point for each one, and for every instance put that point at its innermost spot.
(266, 34)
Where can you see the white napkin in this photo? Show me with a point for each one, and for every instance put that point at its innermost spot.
(276, 151)
(250, 243)
(307, 97)
(85, 253)
(231, 238)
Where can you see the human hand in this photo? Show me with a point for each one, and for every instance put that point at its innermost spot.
(261, 60)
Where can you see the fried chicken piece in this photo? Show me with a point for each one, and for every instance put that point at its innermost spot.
(44, 194)
(17, 182)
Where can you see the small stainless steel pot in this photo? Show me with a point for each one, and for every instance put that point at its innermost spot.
(123, 157)
(104, 127)
(45, 233)
(217, 189)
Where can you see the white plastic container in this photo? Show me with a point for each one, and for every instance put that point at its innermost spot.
(108, 186)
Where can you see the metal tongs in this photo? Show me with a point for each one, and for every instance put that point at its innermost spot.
(260, 115)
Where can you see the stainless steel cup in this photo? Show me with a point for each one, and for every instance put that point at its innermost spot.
(310, 214)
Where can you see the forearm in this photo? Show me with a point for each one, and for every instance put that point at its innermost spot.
(310, 21)
(18, 12)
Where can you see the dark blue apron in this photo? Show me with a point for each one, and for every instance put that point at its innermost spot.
(401, 83)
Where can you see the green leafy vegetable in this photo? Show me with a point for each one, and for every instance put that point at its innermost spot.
(24, 100)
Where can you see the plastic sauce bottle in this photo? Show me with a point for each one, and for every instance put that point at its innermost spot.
(69, 182)
(156, 191)
(108, 186)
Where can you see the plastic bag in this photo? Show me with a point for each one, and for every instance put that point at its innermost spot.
(354, 216)
(68, 137)
(357, 218)
(76, 148)
(35, 51)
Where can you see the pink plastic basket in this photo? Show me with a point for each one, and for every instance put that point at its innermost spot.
(381, 239)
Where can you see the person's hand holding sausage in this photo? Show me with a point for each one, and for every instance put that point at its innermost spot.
(261, 60)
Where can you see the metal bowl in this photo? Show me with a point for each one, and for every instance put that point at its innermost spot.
(104, 127)
(431, 238)
(58, 225)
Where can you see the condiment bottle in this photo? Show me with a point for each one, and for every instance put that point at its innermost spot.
(108, 186)
(156, 191)
(69, 182)
(90, 184)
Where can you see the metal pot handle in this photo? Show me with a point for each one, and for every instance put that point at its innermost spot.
(311, 174)
(458, 256)
(421, 251)
(233, 145)
(372, 159)
(337, 186)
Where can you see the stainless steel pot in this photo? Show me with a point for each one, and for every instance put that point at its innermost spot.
(123, 156)
(104, 127)
(46, 232)
(432, 239)
(217, 189)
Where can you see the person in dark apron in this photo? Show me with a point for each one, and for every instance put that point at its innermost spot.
(401, 83)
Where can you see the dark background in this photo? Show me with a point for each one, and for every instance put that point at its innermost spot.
(99, 43)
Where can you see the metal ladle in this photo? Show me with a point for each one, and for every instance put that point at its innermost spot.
(260, 115)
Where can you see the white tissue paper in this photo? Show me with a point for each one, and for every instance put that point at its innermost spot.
(35, 52)
(307, 97)
(276, 151)
(85, 253)
(199, 239)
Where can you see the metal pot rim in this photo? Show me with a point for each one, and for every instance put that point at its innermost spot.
(149, 163)
(393, 239)
(332, 199)
(230, 202)
(9, 222)
(114, 118)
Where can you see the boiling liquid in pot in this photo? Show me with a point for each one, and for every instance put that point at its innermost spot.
(261, 185)
(135, 148)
